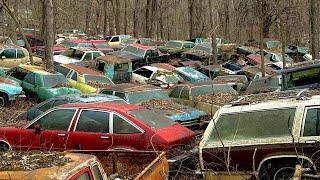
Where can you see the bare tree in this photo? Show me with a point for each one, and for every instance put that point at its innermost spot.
(314, 25)
(49, 36)
(191, 12)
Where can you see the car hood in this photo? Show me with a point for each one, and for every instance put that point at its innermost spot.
(11, 89)
(64, 59)
(63, 90)
(198, 53)
(174, 111)
(176, 134)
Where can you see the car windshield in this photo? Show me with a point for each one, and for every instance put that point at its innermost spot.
(278, 58)
(73, 53)
(69, 44)
(129, 41)
(134, 51)
(144, 96)
(54, 80)
(174, 44)
(273, 44)
(210, 89)
(151, 118)
(206, 49)
(100, 79)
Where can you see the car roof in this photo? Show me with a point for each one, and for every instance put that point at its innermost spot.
(113, 59)
(284, 99)
(84, 49)
(83, 70)
(130, 87)
(154, 68)
(35, 69)
(104, 106)
(144, 47)
(87, 98)
(179, 41)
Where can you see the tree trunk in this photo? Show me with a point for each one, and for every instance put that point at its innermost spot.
(135, 18)
(160, 21)
(13, 26)
(105, 13)
(147, 18)
(191, 28)
(125, 22)
(314, 29)
(261, 32)
(226, 19)
(116, 17)
(210, 14)
(110, 19)
(11, 14)
(49, 36)
(88, 15)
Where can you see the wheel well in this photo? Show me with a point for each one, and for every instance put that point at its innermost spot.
(4, 144)
(5, 96)
(287, 160)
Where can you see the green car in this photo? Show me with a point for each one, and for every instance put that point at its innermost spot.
(38, 83)
(175, 47)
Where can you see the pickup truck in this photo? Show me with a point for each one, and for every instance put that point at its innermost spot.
(99, 165)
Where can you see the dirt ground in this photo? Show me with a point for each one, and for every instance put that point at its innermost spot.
(15, 114)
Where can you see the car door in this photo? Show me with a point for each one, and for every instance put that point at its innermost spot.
(91, 131)
(55, 126)
(310, 131)
(127, 135)
(29, 83)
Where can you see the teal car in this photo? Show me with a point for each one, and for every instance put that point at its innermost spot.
(38, 83)
(175, 47)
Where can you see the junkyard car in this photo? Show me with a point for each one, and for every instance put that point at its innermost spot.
(200, 52)
(11, 56)
(76, 55)
(155, 76)
(9, 91)
(101, 45)
(189, 74)
(298, 76)
(237, 82)
(38, 83)
(117, 39)
(38, 109)
(158, 100)
(175, 47)
(140, 55)
(264, 139)
(98, 165)
(205, 96)
(118, 69)
(97, 126)
(85, 79)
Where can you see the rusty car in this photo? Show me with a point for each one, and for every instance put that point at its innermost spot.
(10, 91)
(158, 100)
(264, 136)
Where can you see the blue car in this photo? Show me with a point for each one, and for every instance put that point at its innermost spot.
(191, 75)
(72, 98)
(9, 91)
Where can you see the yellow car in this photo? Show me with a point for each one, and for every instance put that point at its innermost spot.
(116, 40)
(12, 56)
(84, 79)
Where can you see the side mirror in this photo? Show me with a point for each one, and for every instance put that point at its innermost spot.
(37, 128)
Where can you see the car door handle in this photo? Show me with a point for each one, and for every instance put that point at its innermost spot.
(311, 141)
(105, 137)
(62, 135)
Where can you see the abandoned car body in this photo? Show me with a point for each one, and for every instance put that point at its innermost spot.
(9, 91)
(265, 140)
(97, 126)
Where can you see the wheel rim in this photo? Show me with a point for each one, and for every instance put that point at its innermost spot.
(4, 147)
(284, 173)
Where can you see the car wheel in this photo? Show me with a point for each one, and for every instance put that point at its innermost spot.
(4, 147)
(2, 101)
(284, 173)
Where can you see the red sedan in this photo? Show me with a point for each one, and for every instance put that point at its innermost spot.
(97, 126)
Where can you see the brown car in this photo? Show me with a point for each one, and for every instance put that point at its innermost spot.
(264, 140)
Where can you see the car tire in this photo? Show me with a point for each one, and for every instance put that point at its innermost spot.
(4, 147)
(3, 99)
(277, 170)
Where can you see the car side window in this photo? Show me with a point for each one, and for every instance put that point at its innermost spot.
(60, 102)
(120, 95)
(121, 126)
(9, 53)
(63, 70)
(93, 121)
(30, 78)
(74, 76)
(115, 39)
(46, 106)
(106, 92)
(149, 53)
(96, 172)
(87, 57)
(96, 54)
(59, 119)
(184, 93)
(175, 93)
(312, 122)
(144, 72)
(20, 53)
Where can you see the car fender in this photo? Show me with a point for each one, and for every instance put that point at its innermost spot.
(273, 157)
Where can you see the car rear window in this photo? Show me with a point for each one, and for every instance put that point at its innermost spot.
(151, 118)
(253, 125)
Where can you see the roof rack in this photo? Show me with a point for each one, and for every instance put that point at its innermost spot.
(302, 94)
